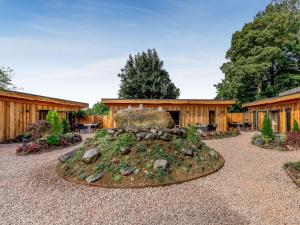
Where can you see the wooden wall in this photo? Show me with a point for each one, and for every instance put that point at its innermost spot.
(190, 114)
(261, 110)
(236, 117)
(15, 115)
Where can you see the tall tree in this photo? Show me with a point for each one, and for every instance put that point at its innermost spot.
(6, 75)
(144, 77)
(264, 58)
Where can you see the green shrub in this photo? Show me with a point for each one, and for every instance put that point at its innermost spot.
(267, 128)
(53, 140)
(297, 166)
(192, 135)
(295, 126)
(100, 134)
(117, 177)
(53, 119)
(160, 175)
(65, 126)
(124, 140)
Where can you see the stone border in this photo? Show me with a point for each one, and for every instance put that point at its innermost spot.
(48, 150)
(287, 170)
(284, 149)
(138, 186)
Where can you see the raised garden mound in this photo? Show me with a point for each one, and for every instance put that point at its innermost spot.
(120, 158)
(293, 170)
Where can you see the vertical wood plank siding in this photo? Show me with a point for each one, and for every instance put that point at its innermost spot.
(190, 114)
(17, 113)
(281, 107)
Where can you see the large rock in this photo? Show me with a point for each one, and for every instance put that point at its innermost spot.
(63, 158)
(139, 118)
(160, 164)
(94, 177)
(91, 155)
(150, 137)
(127, 171)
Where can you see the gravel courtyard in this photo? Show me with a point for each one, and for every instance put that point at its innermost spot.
(252, 188)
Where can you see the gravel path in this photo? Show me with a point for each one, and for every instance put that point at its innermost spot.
(252, 188)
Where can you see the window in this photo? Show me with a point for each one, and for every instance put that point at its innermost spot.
(43, 114)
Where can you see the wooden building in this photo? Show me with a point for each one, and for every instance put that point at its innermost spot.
(282, 111)
(184, 111)
(18, 109)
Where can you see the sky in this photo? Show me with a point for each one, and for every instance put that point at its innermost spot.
(75, 49)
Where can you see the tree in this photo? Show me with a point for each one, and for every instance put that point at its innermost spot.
(144, 77)
(53, 119)
(264, 58)
(6, 75)
(100, 109)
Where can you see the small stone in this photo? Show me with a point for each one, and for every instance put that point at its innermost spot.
(166, 137)
(110, 131)
(160, 163)
(67, 156)
(91, 155)
(159, 133)
(167, 130)
(187, 151)
(127, 171)
(124, 150)
(94, 177)
(150, 136)
(183, 132)
(152, 130)
(176, 131)
(140, 135)
(137, 171)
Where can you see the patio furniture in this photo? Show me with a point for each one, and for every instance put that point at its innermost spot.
(90, 127)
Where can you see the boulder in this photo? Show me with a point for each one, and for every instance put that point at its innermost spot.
(63, 158)
(94, 177)
(150, 137)
(160, 163)
(166, 137)
(91, 155)
(127, 171)
(140, 118)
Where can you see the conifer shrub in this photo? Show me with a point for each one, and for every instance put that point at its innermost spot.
(267, 131)
(295, 126)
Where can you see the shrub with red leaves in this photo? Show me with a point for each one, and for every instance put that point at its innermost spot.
(293, 140)
(29, 148)
(63, 141)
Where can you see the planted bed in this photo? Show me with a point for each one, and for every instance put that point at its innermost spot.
(123, 158)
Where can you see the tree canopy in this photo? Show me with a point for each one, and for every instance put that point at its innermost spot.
(264, 58)
(6, 75)
(144, 77)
